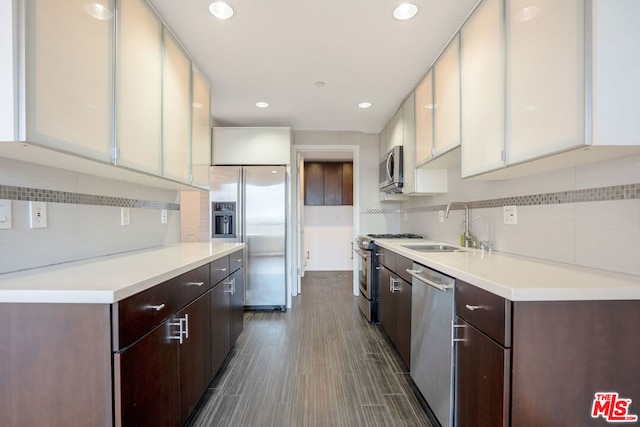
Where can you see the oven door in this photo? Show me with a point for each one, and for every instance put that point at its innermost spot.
(364, 272)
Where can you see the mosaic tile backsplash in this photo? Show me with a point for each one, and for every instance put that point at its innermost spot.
(614, 192)
(52, 196)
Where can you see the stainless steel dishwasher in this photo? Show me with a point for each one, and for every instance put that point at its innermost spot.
(432, 307)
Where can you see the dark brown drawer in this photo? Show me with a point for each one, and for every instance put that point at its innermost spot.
(135, 316)
(402, 264)
(192, 284)
(235, 260)
(488, 312)
(386, 258)
(219, 270)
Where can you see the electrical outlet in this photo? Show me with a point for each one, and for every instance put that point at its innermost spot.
(510, 215)
(5, 214)
(38, 214)
(125, 216)
(163, 216)
(440, 216)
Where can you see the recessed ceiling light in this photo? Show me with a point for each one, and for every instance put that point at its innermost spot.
(321, 84)
(262, 104)
(365, 105)
(197, 105)
(98, 11)
(221, 10)
(405, 11)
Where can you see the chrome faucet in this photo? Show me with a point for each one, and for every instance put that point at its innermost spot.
(469, 240)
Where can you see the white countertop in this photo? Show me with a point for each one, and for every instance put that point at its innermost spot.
(108, 279)
(521, 278)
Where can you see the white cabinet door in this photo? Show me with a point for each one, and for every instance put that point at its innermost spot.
(139, 88)
(446, 75)
(409, 142)
(424, 118)
(176, 111)
(546, 77)
(482, 88)
(200, 131)
(69, 75)
(394, 130)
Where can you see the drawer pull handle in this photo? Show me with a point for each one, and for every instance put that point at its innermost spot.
(238, 260)
(157, 307)
(195, 283)
(472, 307)
(221, 269)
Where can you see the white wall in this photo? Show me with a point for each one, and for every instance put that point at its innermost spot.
(328, 240)
(600, 234)
(79, 231)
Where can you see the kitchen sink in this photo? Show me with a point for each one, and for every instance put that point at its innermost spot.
(434, 248)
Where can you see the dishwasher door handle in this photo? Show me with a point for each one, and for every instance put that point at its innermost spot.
(438, 286)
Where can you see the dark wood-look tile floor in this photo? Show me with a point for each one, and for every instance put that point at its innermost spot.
(319, 364)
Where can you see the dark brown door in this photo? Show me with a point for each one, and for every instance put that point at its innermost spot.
(313, 184)
(332, 184)
(146, 380)
(195, 354)
(481, 380)
(236, 309)
(403, 320)
(347, 183)
(386, 304)
(219, 325)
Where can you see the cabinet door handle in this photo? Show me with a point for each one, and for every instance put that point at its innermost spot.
(233, 286)
(157, 307)
(186, 326)
(472, 307)
(392, 283)
(179, 324)
(195, 283)
(227, 287)
(453, 329)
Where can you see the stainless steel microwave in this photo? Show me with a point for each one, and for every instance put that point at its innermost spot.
(391, 171)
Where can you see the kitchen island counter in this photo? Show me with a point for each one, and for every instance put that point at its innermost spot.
(519, 278)
(108, 279)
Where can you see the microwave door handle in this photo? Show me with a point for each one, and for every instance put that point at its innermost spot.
(389, 176)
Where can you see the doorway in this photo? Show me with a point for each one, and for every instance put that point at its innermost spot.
(324, 234)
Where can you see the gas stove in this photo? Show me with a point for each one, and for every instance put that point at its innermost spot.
(367, 242)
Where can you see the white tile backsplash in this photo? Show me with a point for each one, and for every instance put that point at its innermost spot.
(77, 231)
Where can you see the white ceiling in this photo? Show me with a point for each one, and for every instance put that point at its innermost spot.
(276, 50)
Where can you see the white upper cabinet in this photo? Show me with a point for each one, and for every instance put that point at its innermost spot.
(394, 131)
(424, 118)
(482, 86)
(68, 80)
(409, 142)
(176, 111)
(446, 95)
(139, 88)
(200, 131)
(546, 77)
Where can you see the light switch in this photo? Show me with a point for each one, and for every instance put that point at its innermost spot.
(125, 216)
(5, 214)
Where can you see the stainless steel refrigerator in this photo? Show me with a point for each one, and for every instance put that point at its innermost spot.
(249, 205)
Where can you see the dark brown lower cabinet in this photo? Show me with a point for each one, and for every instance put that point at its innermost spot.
(146, 380)
(394, 311)
(236, 306)
(220, 324)
(481, 380)
(195, 354)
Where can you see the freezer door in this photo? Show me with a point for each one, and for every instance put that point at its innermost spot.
(264, 212)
